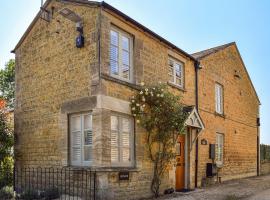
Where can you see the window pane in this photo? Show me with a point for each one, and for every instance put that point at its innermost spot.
(125, 139)
(178, 81)
(177, 67)
(219, 98)
(87, 122)
(170, 70)
(76, 153)
(125, 125)
(87, 153)
(114, 154)
(75, 123)
(114, 68)
(114, 139)
(170, 62)
(114, 53)
(125, 71)
(125, 58)
(125, 43)
(114, 123)
(126, 156)
(114, 38)
(88, 137)
(76, 138)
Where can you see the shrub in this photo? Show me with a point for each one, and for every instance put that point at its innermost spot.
(7, 192)
(161, 114)
(52, 193)
(30, 195)
(6, 169)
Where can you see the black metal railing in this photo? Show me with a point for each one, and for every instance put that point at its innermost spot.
(54, 183)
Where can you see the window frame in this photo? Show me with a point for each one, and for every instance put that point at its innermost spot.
(82, 162)
(120, 49)
(120, 162)
(220, 112)
(221, 161)
(182, 69)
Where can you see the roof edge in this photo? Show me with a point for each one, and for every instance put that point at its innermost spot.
(222, 47)
(126, 17)
(212, 50)
(113, 9)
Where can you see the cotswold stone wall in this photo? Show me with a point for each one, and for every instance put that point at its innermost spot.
(55, 79)
(50, 71)
(240, 112)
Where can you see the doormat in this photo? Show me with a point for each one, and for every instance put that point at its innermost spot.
(185, 190)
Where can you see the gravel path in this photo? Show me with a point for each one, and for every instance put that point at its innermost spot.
(255, 188)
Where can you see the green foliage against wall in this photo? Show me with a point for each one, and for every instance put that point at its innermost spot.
(265, 152)
(161, 114)
(7, 83)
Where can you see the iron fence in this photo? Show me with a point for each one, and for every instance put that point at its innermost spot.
(54, 183)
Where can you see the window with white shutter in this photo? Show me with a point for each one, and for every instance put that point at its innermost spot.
(176, 72)
(121, 141)
(120, 54)
(219, 148)
(81, 139)
(219, 98)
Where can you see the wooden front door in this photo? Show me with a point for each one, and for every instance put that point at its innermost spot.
(180, 164)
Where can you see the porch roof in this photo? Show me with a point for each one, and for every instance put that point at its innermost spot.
(193, 118)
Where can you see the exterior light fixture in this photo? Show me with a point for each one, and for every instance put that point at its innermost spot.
(72, 16)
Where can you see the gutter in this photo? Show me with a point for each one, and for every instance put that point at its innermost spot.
(197, 67)
(112, 9)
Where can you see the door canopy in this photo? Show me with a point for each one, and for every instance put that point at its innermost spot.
(193, 118)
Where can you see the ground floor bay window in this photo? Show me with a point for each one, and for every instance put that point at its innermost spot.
(90, 135)
(81, 139)
(122, 140)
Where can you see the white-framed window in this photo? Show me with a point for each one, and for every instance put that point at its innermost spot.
(219, 148)
(122, 139)
(81, 139)
(219, 98)
(176, 72)
(121, 55)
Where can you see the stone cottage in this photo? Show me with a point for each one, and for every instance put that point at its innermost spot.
(78, 64)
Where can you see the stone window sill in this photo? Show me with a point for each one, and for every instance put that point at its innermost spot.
(104, 169)
(176, 86)
(120, 81)
(220, 115)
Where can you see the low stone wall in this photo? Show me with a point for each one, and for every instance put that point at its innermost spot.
(265, 167)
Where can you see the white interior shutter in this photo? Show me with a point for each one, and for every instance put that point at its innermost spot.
(126, 129)
(114, 53)
(88, 137)
(221, 99)
(114, 139)
(75, 140)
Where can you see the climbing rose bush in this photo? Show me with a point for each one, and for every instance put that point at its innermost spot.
(160, 113)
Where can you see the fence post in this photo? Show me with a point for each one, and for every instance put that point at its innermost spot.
(95, 185)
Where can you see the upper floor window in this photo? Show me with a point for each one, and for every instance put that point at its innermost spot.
(81, 139)
(121, 141)
(120, 54)
(219, 98)
(176, 72)
(219, 148)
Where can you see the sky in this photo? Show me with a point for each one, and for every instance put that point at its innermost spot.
(192, 25)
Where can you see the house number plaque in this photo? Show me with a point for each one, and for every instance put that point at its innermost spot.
(123, 176)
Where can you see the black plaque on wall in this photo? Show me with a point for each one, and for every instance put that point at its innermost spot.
(124, 175)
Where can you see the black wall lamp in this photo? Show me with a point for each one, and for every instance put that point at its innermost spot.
(72, 16)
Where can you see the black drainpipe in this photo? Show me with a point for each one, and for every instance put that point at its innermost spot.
(197, 67)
